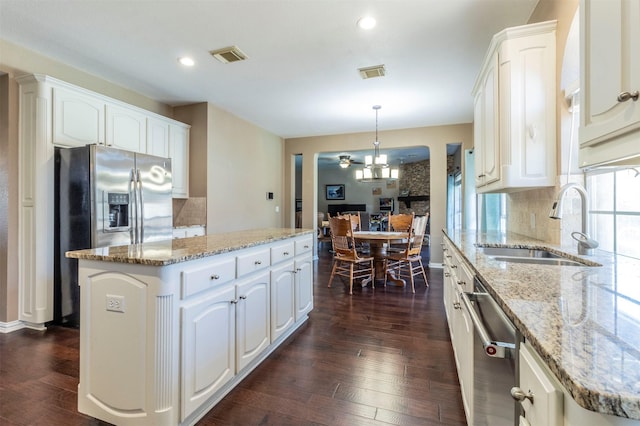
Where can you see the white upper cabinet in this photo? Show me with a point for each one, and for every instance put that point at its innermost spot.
(78, 118)
(609, 82)
(126, 128)
(514, 110)
(157, 137)
(179, 154)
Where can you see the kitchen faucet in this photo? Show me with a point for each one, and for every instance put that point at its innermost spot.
(585, 243)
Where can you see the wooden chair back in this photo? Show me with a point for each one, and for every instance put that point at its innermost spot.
(401, 222)
(342, 237)
(418, 232)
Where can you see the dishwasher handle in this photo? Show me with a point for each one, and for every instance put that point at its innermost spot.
(492, 348)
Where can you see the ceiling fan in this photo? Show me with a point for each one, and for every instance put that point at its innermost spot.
(345, 161)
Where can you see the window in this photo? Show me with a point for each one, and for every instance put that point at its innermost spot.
(492, 212)
(615, 210)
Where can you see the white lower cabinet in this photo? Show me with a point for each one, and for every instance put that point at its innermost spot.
(303, 286)
(208, 347)
(282, 299)
(457, 279)
(253, 311)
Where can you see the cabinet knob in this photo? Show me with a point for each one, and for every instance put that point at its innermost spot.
(625, 96)
(456, 305)
(234, 301)
(520, 395)
(215, 277)
(243, 297)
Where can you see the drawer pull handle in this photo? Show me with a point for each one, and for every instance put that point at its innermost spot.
(625, 96)
(258, 262)
(456, 305)
(454, 266)
(448, 256)
(446, 274)
(306, 246)
(462, 282)
(215, 277)
(520, 395)
(234, 301)
(243, 297)
(286, 253)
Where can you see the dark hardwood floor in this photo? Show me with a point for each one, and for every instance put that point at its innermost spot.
(375, 358)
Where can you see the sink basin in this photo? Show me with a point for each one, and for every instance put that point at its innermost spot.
(519, 252)
(531, 256)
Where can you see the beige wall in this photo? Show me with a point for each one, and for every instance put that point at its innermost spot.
(8, 199)
(521, 206)
(434, 138)
(244, 163)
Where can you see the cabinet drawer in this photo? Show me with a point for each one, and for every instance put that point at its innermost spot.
(283, 251)
(208, 275)
(252, 261)
(303, 246)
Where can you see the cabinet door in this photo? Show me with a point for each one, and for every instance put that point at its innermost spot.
(490, 143)
(546, 407)
(208, 347)
(282, 299)
(179, 153)
(465, 374)
(78, 118)
(126, 129)
(610, 65)
(304, 286)
(253, 328)
(157, 137)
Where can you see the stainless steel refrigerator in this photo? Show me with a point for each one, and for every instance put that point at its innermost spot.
(104, 197)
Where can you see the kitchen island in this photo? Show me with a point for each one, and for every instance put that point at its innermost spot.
(168, 328)
(582, 322)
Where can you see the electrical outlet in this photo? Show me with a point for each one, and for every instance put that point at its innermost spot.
(115, 303)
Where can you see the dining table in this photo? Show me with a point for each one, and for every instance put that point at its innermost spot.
(379, 241)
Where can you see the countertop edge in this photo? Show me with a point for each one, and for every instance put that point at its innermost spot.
(168, 252)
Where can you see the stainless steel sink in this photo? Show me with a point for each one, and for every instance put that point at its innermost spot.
(532, 256)
(519, 252)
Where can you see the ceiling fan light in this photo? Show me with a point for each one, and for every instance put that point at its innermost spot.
(344, 165)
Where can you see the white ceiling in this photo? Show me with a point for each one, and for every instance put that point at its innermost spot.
(301, 77)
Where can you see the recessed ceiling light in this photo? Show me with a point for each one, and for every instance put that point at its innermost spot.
(366, 23)
(186, 61)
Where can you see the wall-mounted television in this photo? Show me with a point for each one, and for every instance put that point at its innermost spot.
(386, 204)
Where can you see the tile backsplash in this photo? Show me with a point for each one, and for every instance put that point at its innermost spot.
(189, 211)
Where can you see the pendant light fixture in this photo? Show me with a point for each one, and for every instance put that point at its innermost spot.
(376, 166)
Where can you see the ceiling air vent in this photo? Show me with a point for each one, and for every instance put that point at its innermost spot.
(228, 54)
(371, 72)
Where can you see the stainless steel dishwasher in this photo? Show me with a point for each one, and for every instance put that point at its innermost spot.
(494, 360)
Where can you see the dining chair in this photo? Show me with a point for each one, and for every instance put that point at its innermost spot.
(400, 223)
(408, 263)
(347, 262)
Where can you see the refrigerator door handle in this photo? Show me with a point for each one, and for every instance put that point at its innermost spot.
(141, 199)
(134, 210)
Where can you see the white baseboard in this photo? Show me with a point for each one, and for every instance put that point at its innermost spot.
(8, 327)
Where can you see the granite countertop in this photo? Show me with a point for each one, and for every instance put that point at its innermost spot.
(584, 321)
(167, 252)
